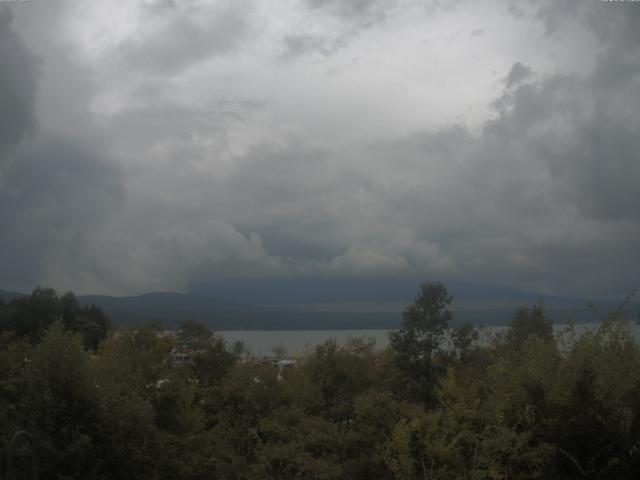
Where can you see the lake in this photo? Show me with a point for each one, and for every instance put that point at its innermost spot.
(297, 342)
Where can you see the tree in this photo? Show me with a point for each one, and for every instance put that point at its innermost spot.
(195, 334)
(212, 363)
(529, 322)
(29, 317)
(89, 320)
(279, 351)
(210, 359)
(337, 376)
(239, 349)
(463, 338)
(61, 403)
(418, 340)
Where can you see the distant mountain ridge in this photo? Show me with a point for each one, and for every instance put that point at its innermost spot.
(7, 296)
(172, 309)
(375, 289)
(488, 306)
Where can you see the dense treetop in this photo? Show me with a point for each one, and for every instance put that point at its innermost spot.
(527, 404)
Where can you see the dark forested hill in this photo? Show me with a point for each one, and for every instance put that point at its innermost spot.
(8, 296)
(478, 306)
(173, 308)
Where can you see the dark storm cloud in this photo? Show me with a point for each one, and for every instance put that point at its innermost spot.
(542, 197)
(498, 206)
(17, 88)
(517, 74)
(180, 33)
(58, 196)
(354, 8)
(353, 17)
(551, 181)
(542, 194)
(299, 191)
(55, 193)
(586, 128)
(60, 173)
(303, 44)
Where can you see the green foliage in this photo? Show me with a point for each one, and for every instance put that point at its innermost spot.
(463, 339)
(527, 323)
(61, 403)
(195, 334)
(212, 363)
(336, 377)
(239, 349)
(418, 341)
(526, 406)
(31, 316)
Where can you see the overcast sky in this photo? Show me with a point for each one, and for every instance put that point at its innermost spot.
(148, 145)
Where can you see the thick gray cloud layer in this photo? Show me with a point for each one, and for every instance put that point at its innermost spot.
(17, 87)
(56, 194)
(57, 200)
(183, 32)
(355, 8)
(321, 138)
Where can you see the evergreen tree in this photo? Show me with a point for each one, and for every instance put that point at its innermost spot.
(418, 341)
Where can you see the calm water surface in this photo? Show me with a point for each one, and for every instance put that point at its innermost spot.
(297, 342)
